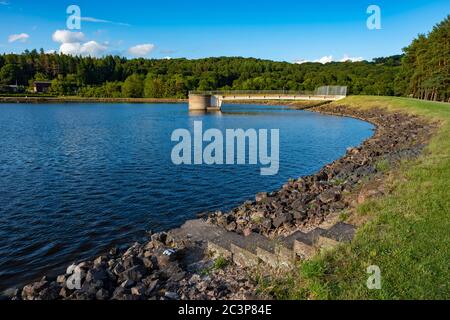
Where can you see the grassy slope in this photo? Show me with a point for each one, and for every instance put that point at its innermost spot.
(408, 235)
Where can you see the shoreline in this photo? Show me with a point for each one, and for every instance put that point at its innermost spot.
(32, 100)
(152, 258)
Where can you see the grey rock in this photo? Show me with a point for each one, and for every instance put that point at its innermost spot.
(95, 275)
(330, 195)
(135, 273)
(102, 295)
(282, 219)
(127, 284)
(261, 196)
(171, 295)
(138, 290)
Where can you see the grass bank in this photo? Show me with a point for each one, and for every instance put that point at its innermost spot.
(408, 233)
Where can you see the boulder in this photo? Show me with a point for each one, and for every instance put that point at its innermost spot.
(261, 196)
(330, 195)
(127, 284)
(131, 261)
(282, 219)
(138, 290)
(102, 295)
(171, 295)
(135, 273)
(31, 291)
(95, 275)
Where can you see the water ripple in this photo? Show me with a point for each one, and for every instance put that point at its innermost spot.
(78, 179)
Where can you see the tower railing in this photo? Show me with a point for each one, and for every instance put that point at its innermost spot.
(320, 91)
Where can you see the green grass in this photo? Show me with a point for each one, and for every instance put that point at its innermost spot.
(220, 263)
(408, 235)
(382, 165)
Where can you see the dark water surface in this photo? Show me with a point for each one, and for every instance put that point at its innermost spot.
(77, 179)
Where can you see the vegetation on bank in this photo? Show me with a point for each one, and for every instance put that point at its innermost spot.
(422, 72)
(115, 77)
(425, 70)
(408, 232)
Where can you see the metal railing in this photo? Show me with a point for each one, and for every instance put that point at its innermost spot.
(254, 92)
(321, 91)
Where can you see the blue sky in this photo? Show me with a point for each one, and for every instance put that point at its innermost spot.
(282, 30)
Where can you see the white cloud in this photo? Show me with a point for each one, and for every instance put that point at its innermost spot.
(91, 48)
(72, 44)
(72, 49)
(346, 58)
(141, 50)
(328, 59)
(324, 60)
(66, 36)
(301, 61)
(22, 37)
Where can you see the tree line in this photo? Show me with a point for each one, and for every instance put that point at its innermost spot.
(425, 68)
(119, 77)
(422, 72)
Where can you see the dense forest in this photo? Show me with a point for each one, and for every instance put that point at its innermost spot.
(119, 77)
(423, 72)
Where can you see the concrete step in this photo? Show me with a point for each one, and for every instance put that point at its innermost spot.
(241, 250)
(339, 233)
(303, 244)
(256, 249)
(251, 250)
(306, 245)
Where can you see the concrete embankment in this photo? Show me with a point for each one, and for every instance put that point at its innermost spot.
(176, 264)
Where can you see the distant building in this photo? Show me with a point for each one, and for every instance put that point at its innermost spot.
(14, 88)
(42, 86)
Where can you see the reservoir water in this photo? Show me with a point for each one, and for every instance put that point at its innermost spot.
(78, 179)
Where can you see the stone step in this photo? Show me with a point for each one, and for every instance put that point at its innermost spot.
(234, 247)
(197, 231)
(303, 244)
(255, 249)
(243, 257)
(249, 251)
(306, 245)
(339, 233)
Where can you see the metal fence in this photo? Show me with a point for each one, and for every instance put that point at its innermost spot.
(331, 91)
(321, 91)
(254, 92)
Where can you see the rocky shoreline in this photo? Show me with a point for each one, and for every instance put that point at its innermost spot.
(307, 202)
(167, 268)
